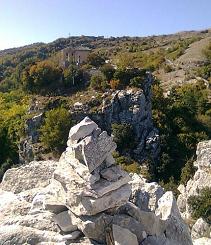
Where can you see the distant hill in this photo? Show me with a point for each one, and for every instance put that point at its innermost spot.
(171, 57)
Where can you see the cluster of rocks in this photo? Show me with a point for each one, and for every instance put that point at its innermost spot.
(200, 180)
(132, 107)
(85, 198)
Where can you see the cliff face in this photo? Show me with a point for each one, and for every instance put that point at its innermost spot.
(200, 180)
(124, 106)
(85, 198)
(134, 108)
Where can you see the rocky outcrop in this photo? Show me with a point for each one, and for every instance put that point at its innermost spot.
(85, 198)
(132, 107)
(27, 147)
(200, 180)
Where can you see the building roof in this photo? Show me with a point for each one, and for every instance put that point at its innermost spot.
(80, 48)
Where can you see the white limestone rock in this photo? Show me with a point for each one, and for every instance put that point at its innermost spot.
(64, 221)
(123, 236)
(145, 195)
(16, 234)
(26, 177)
(200, 180)
(87, 205)
(94, 227)
(202, 241)
(81, 130)
(51, 198)
(84, 198)
(201, 229)
(130, 223)
(93, 151)
(176, 230)
(151, 223)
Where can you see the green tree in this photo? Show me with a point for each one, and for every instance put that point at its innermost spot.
(98, 82)
(54, 131)
(42, 77)
(73, 76)
(95, 59)
(108, 71)
(187, 172)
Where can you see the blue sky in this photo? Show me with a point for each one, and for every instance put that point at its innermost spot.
(28, 21)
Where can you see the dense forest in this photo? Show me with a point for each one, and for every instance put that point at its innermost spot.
(183, 117)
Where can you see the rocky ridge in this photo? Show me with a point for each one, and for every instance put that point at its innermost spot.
(200, 180)
(130, 106)
(85, 198)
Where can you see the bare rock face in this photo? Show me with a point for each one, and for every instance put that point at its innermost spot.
(145, 195)
(85, 198)
(134, 108)
(200, 229)
(200, 180)
(123, 236)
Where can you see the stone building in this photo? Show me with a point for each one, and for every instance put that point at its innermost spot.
(74, 55)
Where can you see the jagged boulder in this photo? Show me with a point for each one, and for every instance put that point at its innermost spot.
(123, 236)
(200, 180)
(145, 195)
(201, 229)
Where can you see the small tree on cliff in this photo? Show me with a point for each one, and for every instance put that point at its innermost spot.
(54, 131)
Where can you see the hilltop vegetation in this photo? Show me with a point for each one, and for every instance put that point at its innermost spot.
(183, 117)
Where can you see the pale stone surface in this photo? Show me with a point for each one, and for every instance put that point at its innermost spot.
(175, 228)
(202, 241)
(94, 150)
(64, 221)
(59, 202)
(11, 206)
(81, 130)
(150, 222)
(200, 229)
(123, 236)
(200, 180)
(16, 234)
(145, 195)
(32, 175)
(86, 199)
(51, 198)
(86, 205)
(128, 222)
(93, 227)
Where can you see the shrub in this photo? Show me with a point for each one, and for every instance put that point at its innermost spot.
(114, 84)
(108, 71)
(170, 185)
(167, 68)
(54, 131)
(201, 205)
(98, 82)
(41, 77)
(123, 136)
(187, 172)
(73, 76)
(137, 82)
(95, 59)
(127, 163)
